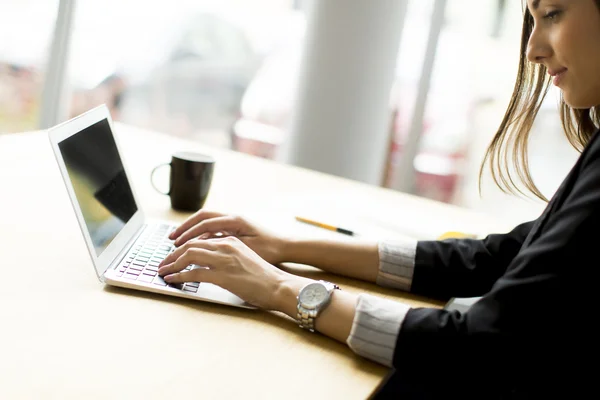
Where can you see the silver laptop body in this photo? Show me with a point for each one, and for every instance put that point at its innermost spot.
(125, 246)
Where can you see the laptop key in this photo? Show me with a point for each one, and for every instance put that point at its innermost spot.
(159, 281)
(146, 278)
(190, 289)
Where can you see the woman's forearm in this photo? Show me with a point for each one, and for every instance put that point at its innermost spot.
(354, 259)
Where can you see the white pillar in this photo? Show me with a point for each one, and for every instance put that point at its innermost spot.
(404, 175)
(341, 116)
(54, 99)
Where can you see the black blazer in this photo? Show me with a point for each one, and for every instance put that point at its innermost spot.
(531, 334)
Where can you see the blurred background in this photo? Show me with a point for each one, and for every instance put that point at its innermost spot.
(228, 73)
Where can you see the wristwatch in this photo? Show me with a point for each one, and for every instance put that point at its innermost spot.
(312, 299)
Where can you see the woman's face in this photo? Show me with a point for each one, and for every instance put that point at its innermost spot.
(566, 39)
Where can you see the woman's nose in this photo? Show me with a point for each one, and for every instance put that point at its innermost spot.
(537, 48)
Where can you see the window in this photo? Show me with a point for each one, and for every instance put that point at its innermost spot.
(473, 76)
(179, 67)
(26, 26)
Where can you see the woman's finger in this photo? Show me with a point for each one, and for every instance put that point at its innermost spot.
(214, 235)
(177, 254)
(196, 256)
(212, 225)
(220, 234)
(196, 275)
(197, 217)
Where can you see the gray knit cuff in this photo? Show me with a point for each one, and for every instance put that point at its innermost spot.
(397, 264)
(376, 327)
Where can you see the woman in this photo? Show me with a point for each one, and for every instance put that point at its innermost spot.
(528, 332)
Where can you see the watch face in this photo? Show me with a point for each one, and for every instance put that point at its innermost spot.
(313, 295)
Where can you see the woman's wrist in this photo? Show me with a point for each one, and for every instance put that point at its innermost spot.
(285, 296)
(285, 249)
(357, 259)
(297, 250)
(334, 321)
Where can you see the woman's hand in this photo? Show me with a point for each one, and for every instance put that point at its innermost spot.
(229, 263)
(232, 265)
(209, 224)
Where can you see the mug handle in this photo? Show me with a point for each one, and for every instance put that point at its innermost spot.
(152, 178)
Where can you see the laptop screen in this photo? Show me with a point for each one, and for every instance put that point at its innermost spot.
(99, 181)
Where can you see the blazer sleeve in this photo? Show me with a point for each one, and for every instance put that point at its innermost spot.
(538, 317)
(465, 267)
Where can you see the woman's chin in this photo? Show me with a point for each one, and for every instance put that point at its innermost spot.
(579, 102)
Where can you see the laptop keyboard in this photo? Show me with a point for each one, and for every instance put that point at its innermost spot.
(141, 263)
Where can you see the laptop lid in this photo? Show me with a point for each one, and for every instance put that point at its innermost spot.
(96, 180)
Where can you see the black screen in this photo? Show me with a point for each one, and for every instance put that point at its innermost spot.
(99, 181)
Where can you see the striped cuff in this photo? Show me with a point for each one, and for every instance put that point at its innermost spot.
(375, 328)
(397, 264)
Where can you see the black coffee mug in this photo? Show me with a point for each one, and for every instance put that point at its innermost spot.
(191, 176)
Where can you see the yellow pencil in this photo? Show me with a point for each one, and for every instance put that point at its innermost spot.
(325, 226)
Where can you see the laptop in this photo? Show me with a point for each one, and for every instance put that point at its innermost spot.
(125, 246)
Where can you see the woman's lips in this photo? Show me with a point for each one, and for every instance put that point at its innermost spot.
(557, 75)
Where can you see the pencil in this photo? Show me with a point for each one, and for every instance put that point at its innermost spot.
(325, 226)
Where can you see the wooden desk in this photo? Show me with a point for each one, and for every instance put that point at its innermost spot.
(65, 335)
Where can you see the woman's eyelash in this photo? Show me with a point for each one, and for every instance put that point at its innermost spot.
(552, 14)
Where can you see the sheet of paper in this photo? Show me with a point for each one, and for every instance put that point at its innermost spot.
(461, 304)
